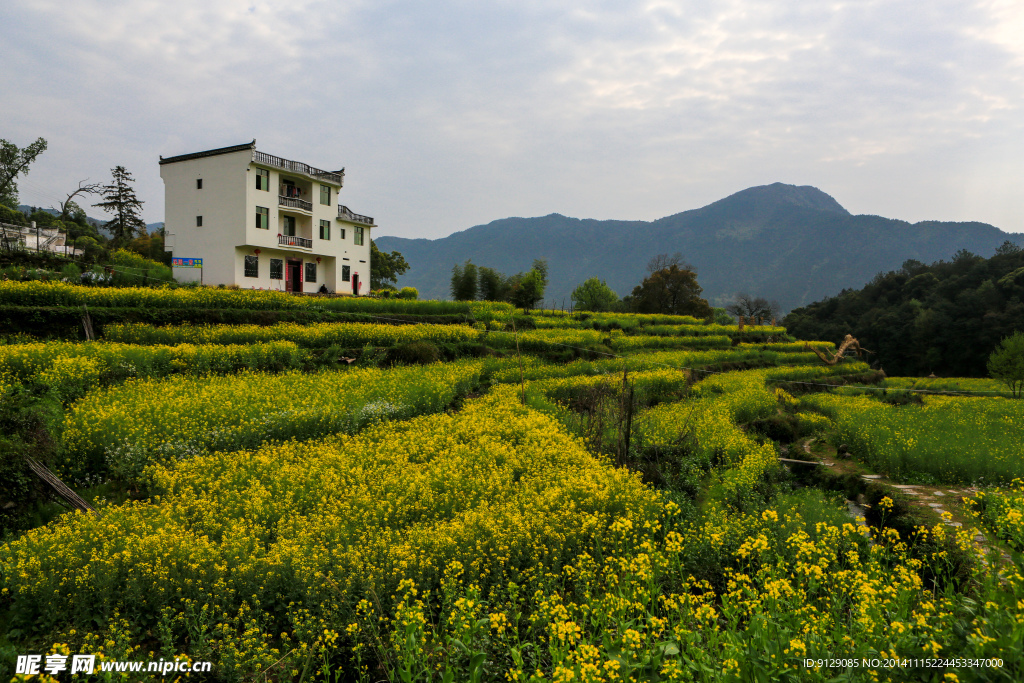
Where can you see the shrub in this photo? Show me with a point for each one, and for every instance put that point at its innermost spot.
(408, 293)
(414, 353)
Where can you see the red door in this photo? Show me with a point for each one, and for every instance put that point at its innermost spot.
(293, 276)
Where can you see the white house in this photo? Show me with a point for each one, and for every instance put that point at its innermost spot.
(263, 222)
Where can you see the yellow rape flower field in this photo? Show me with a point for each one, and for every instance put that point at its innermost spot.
(621, 514)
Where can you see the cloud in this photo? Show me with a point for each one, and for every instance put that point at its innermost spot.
(454, 113)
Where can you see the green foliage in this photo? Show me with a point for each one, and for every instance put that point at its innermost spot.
(464, 282)
(12, 216)
(90, 246)
(29, 426)
(119, 199)
(1007, 363)
(414, 353)
(408, 293)
(943, 318)
(722, 317)
(385, 268)
(950, 439)
(15, 162)
(594, 295)
(151, 246)
(493, 285)
(673, 290)
(132, 269)
(527, 290)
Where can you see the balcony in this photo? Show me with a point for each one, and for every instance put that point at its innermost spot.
(298, 167)
(292, 241)
(344, 214)
(294, 203)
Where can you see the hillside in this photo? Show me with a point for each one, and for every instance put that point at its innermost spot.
(98, 223)
(793, 244)
(944, 318)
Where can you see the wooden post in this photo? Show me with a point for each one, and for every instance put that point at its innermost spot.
(741, 323)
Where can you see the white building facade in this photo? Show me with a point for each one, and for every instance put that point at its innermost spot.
(262, 222)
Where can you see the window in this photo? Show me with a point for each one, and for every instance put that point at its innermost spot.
(262, 179)
(325, 230)
(342, 232)
(310, 271)
(346, 273)
(357, 235)
(289, 226)
(325, 195)
(276, 269)
(262, 218)
(199, 183)
(199, 221)
(252, 265)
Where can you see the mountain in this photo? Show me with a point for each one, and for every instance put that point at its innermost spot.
(95, 222)
(784, 242)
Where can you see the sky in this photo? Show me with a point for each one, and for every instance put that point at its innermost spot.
(450, 114)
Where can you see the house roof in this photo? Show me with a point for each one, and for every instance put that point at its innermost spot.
(209, 153)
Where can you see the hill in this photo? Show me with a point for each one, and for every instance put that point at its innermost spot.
(97, 223)
(784, 242)
(944, 318)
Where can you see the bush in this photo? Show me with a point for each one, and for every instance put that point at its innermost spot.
(414, 353)
(12, 216)
(1007, 363)
(408, 293)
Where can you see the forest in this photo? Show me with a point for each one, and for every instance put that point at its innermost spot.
(944, 318)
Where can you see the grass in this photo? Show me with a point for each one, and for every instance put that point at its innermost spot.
(945, 439)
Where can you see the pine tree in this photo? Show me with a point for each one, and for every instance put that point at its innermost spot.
(119, 200)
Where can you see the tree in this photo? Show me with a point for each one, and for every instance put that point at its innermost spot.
(663, 261)
(1008, 247)
(493, 285)
(541, 267)
(15, 162)
(753, 307)
(594, 295)
(527, 290)
(1007, 363)
(672, 290)
(119, 200)
(464, 282)
(69, 209)
(385, 268)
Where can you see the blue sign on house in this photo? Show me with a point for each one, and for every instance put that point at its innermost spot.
(187, 262)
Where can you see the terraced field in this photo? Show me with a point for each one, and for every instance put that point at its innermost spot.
(613, 498)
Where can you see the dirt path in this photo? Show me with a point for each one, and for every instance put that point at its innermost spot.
(932, 501)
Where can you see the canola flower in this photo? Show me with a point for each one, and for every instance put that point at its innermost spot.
(554, 339)
(314, 335)
(320, 525)
(952, 439)
(73, 368)
(1002, 511)
(129, 426)
(55, 293)
(486, 544)
(533, 368)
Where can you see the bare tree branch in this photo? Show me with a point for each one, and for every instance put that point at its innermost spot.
(83, 189)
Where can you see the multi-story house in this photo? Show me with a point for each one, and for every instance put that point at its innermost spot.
(259, 221)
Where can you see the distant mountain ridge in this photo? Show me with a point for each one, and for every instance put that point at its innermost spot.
(98, 223)
(792, 243)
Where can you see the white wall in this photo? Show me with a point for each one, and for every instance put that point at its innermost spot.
(227, 202)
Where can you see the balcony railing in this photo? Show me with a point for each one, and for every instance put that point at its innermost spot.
(298, 167)
(292, 241)
(346, 215)
(294, 203)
